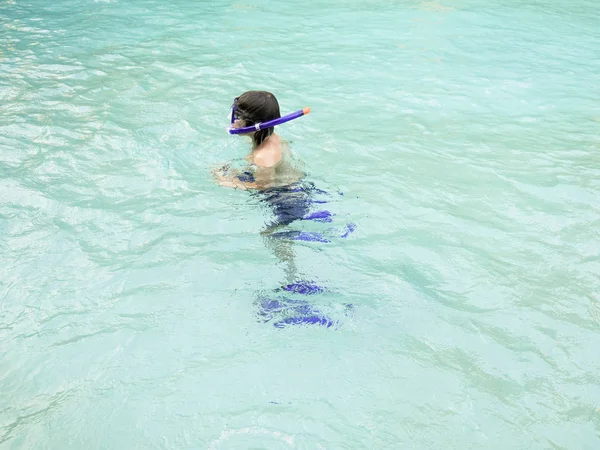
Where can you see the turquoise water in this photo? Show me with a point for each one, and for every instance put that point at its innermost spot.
(465, 138)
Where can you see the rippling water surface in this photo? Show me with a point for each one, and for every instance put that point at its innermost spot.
(464, 137)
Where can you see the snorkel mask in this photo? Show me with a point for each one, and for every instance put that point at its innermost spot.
(236, 114)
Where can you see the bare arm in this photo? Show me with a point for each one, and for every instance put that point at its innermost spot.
(229, 178)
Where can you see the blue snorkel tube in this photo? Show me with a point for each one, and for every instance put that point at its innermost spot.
(264, 125)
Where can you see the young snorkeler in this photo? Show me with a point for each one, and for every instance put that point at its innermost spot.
(271, 174)
(270, 161)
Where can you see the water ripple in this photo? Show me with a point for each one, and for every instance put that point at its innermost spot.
(463, 136)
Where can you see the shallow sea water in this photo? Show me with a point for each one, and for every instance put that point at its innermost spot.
(464, 137)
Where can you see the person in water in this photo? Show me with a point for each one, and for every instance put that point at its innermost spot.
(270, 160)
(271, 173)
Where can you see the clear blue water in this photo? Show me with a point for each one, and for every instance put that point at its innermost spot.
(465, 138)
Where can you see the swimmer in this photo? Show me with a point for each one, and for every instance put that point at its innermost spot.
(254, 114)
(271, 174)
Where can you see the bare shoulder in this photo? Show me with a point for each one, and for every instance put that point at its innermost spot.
(271, 154)
(267, 158)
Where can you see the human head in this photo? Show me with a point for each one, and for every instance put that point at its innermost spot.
(253, 107)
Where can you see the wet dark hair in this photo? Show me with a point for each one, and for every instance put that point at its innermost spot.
(255, 107)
